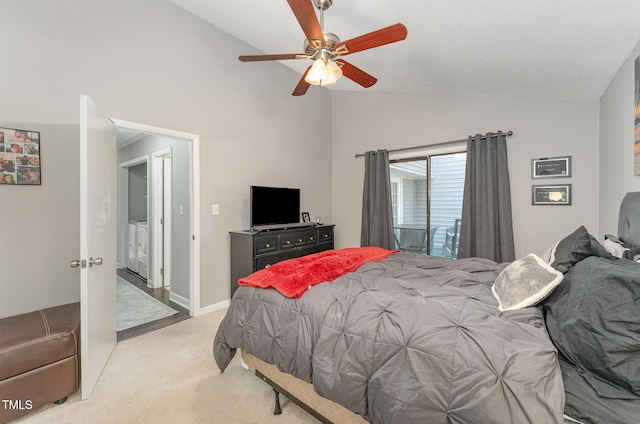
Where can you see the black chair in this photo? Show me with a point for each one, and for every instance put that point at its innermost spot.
(432, 238)
(414, 240)
(452, 235)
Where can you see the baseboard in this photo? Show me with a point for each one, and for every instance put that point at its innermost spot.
(215, 307)
(180, 300)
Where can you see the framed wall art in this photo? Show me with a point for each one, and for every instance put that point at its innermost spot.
(19, 157)
(554, 194)
(558, 167)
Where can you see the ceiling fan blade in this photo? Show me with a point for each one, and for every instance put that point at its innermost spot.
(259, 57)
(356, 74)
(302, 86)
(390, 34)
(306, 15)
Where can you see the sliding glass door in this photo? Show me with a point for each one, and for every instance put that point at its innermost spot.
(427, 203)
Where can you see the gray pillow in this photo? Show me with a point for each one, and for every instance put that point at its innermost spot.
(525, 282)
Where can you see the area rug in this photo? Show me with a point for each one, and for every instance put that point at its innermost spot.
(135, 307)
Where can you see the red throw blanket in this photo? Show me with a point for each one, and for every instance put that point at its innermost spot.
(294, 276)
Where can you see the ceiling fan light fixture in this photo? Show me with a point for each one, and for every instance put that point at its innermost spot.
(323, 72)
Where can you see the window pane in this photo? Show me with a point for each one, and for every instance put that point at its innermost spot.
(413, 185)
(447, 190)
(410, 207)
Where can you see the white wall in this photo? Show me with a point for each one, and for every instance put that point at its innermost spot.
(542, 128)
(150, 62)
(616, 144)
(39, 232)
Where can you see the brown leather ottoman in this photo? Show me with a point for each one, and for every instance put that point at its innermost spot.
(38, 359)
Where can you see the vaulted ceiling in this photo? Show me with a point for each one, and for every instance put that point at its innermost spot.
(542, 48)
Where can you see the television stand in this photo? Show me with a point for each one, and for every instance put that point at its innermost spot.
(253, 250)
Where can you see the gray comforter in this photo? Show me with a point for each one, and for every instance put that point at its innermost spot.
(408, 339)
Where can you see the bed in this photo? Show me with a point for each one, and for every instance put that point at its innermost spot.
(407, 338)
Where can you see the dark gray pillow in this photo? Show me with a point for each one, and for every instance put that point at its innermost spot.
(571, 250)
(525, 282)
(593, 320)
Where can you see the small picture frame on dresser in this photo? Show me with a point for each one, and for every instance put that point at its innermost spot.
(306, 217)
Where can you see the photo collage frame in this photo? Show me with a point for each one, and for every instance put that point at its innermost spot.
(19, 157)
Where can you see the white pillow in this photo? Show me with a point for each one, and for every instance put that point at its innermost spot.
(615, 248)
(525, 282)
(549, 255)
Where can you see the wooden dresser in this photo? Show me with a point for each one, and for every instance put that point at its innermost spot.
(254, 250)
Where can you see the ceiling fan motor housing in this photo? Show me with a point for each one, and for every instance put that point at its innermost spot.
(330, 39)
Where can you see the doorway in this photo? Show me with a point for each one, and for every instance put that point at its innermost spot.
(143, 297)
(162, 152)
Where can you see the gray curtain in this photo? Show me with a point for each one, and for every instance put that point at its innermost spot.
(486, 227)
(377, 215)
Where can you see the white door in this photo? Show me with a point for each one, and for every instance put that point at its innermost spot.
(98, 228)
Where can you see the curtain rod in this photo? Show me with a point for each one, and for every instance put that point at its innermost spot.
(444, 143)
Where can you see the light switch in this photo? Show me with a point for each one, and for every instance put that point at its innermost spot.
(181, 210)
(215, 209)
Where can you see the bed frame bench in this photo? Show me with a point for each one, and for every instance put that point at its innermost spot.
(38, 359)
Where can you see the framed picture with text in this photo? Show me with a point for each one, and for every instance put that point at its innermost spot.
(555, 194)
(558, 167)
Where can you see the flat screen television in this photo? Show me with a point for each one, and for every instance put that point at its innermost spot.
(274, 205)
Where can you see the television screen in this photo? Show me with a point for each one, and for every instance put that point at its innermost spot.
(274, 205)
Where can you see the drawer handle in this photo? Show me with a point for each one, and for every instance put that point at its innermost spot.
(288, 242)
(267, 245)
(326, 235)
(299, 240)
(311, 238)
(267, 265)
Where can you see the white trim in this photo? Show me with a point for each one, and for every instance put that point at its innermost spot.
(215, 307)
(158, 199)
(180, 300)
(134, 162)
(194, 280)
(399, 197)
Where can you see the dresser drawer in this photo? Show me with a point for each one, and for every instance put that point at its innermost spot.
(297, 239)
(268, 260)
(288, 241)
(325, 235)
(266, 244)
(311, 237)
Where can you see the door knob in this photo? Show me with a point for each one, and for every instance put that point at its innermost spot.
(78, 263)
(96, 261)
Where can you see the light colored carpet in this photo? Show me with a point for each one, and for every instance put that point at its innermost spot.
(135, 307)
(169, 376)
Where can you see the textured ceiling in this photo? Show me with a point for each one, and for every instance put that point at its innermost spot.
(542, 48)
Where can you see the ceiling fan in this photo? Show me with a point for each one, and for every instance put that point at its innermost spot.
(326, 49)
